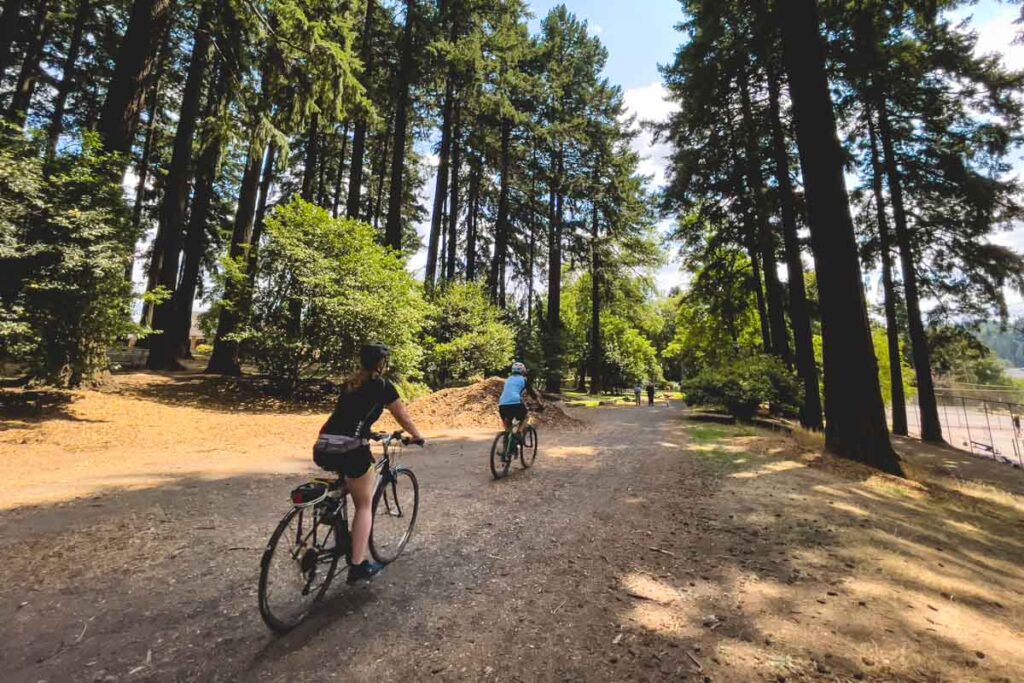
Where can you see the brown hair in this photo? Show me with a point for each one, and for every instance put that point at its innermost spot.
(357, 379)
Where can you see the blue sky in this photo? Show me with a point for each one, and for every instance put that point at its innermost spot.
(640, 35)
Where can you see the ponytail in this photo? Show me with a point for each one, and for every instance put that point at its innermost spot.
(357, 379)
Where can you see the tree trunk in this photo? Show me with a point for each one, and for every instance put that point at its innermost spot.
(440, 187)
(309, 174)
(197, 231)
(453, 198)
(596, 348)
(377, 204)
(68, 79)
(899, 403)
(133, 69)
(931, 428)
(501, 227)
(396, 197)
(553, 383)
(471, 219)
(855, 425)
(765, 238)
(803, 339)
(762, 308)
(17, 113)
(336, 200)
(225, 360)
(355, 176)
(8, 32)
(163, 350)
(140, 190)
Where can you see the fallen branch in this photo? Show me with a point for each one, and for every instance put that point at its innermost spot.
(663, 551)
(695, 661)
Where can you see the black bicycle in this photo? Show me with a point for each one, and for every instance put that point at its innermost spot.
(507, 445)
(302, 555)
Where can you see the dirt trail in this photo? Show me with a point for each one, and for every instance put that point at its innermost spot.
(642, 547)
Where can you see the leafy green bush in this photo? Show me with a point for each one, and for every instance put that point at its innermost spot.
(465, 336)
(744, 384)
(630, 357)
(325, 288)
(65, 243)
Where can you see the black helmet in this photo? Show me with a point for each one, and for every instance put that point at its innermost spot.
(371, 355)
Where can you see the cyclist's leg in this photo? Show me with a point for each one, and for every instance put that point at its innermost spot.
(361, 489)
(522, 414)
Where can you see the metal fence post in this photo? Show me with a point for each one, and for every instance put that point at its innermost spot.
(988, 423)
(967, 421)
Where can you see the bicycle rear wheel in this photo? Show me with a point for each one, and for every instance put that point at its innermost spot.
(395, 506)
(297, 566)
(528, 449)
(500, 460)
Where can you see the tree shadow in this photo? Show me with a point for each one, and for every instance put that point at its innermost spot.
(22, 407)
(217, 393)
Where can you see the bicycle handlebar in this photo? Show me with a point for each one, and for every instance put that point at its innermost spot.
(396, 435)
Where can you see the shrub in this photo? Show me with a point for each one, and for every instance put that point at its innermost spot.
(744, 384)
(465, 336)
(347, 290)
(65, 242)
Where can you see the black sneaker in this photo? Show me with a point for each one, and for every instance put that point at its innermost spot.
(363, 572)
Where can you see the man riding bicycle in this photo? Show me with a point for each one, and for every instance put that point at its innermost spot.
(511, 405)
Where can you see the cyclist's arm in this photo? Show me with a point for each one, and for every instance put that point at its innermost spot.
(401, 413)
(531, 391)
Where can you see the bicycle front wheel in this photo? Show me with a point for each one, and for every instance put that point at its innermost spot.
(395, 506)
(501, 459)
(297, 567)
(528, 450)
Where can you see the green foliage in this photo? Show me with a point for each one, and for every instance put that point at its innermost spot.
(65, 243)
(464, 336)
(881, 344)
(717, 314)
(744, 384)
(348, 289)
(630, 357)
(958, 356)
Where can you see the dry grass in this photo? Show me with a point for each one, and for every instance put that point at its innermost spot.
(914, 579)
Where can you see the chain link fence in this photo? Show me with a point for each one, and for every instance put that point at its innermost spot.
(984, 422)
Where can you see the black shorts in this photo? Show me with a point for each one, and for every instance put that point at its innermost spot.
(514, 412)
(353, 464)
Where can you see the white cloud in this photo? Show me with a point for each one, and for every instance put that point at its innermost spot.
(997, 35)
(597, 29)
(650, 103)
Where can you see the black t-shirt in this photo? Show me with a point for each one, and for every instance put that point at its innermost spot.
(358, 409)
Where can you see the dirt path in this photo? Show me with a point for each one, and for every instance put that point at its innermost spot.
(642, 547)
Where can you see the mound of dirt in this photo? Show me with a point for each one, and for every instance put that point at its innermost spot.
(476, 407)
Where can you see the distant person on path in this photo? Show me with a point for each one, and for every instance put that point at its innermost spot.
(511, 405)
(364, 397)
(637, 390)
(650, 393)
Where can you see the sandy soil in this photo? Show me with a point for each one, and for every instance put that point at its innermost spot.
(642, 547)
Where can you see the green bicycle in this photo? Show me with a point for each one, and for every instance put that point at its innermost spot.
(507, 446)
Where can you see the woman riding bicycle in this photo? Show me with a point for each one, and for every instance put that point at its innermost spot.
(363, 399)
(511, 405)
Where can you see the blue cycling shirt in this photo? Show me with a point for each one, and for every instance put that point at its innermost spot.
(512, 395)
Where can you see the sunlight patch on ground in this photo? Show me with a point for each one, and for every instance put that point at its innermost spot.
(564, 452)
(850, 508)
(770, 468)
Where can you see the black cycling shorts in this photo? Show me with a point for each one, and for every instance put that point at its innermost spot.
(517, 411)
(353, 464)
